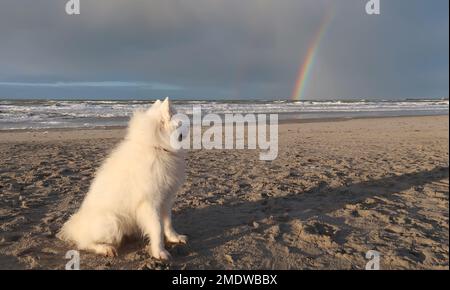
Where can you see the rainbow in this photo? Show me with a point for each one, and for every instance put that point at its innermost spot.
(305, 68)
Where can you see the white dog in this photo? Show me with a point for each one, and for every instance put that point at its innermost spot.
(134, 189)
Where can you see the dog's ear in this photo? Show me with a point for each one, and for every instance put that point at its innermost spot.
(165, 110)
(154, 107)
(156, 104)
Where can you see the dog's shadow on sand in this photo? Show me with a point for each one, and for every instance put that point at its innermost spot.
(213, 225)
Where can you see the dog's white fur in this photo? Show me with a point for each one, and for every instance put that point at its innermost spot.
(134, 189)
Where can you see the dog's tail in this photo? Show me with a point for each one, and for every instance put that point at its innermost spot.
(66, 232)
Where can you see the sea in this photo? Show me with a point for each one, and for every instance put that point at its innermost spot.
(48, 114)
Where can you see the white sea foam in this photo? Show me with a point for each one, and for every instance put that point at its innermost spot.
(50, 114)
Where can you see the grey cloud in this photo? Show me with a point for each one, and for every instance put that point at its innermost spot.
(226, 48)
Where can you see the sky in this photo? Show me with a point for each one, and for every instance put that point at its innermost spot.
(224, 49)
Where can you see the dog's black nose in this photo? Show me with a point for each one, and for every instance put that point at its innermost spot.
(180, 137)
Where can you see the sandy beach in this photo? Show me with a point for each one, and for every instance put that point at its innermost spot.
(337, 190)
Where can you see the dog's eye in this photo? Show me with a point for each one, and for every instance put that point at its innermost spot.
(180, 137)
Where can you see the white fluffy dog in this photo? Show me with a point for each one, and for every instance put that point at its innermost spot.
(134, 189)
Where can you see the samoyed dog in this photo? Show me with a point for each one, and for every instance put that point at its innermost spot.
(134, 189)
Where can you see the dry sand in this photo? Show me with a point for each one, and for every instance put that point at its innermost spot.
(336, 190)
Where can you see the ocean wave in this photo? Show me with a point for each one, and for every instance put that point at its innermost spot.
(40, 113)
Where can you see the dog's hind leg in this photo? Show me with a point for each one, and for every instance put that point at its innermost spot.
(102, 249)
(100, 234)
(149, 220)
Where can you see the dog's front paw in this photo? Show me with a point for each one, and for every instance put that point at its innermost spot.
(161, 255)
(178, 239)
